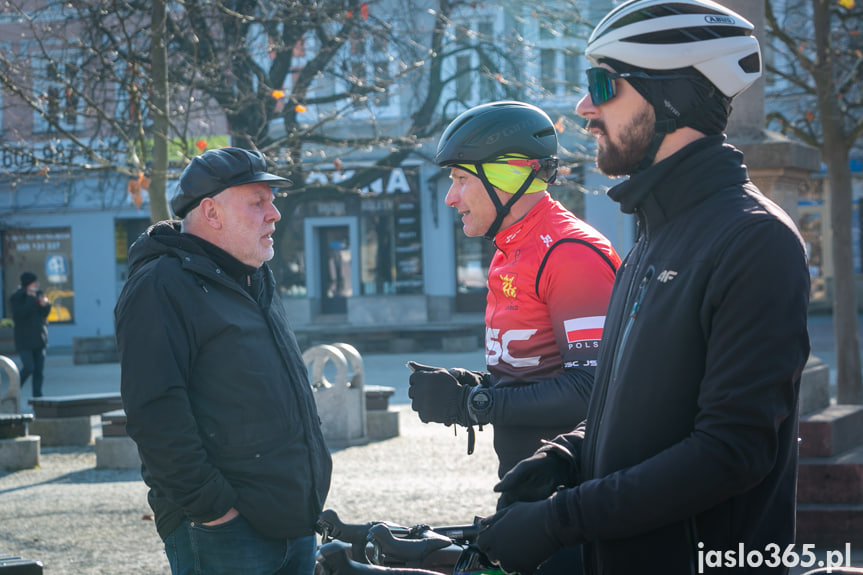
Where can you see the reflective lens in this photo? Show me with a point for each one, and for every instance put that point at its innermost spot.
(600, 84)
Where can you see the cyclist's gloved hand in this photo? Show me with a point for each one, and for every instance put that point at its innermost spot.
(520, 537)
(463, 376)
(471, 378)
(538, 476)
(437, 396)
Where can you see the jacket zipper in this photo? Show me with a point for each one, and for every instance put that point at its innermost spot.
(633, 313)
(619, 342)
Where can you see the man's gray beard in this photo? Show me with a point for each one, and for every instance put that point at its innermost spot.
(623, 159)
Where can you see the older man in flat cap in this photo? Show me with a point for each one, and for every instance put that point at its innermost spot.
(215, 389)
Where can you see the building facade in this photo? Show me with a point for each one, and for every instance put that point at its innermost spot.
(390, 256)
(388, 260)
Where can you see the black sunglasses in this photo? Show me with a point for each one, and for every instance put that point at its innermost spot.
(601, 87)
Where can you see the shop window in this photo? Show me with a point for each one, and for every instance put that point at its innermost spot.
(388, 248)
(47, 252)
(289, 265)
(125, 234)
(57, 86)
(378, 254)
(472, 256)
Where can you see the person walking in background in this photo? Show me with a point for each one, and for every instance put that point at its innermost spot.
(690, 442)
(215, 390)
(549, 283)
(30, 310)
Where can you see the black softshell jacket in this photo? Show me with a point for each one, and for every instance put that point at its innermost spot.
(690, 445)
(216, 393)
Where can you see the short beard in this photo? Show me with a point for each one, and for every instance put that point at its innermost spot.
(622, 159)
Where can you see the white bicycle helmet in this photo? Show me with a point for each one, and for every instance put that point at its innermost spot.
(674, 34)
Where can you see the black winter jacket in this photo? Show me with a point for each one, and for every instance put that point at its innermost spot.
(690, 445)
(216, 393)
(31, 324)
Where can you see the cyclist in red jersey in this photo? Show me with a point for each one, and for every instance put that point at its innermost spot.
(549, 283)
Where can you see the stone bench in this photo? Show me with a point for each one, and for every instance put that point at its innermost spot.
(75, 405)
(378, 397)
(19, 566)
(14, 425)
(381, 421)
(115, 449)
(18, 449)
(71, 419)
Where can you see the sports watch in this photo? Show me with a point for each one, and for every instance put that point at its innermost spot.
(480, 402)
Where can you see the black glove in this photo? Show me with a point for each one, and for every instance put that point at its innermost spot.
(519, 538)
(467, 377)
(463, 376)
(437, 395)
(538, 476)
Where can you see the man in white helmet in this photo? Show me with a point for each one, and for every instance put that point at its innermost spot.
(687, 459)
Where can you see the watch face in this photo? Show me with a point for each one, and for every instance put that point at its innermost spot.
(481, 400)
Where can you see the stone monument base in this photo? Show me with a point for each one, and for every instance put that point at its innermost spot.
(117, 453)
(382, 424)
(19, 452)
(57, 431)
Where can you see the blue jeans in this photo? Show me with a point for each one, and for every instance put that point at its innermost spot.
(33, 362)
(235, 547)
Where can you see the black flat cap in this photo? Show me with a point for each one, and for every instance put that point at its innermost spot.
(216, 170)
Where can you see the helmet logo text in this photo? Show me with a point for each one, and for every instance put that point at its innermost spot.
(719, 20)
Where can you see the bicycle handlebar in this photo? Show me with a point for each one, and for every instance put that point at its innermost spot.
(331, 527)
(333, 559)
(396, 547)
(387, 548)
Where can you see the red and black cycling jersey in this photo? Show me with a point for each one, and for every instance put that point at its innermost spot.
(549, 285)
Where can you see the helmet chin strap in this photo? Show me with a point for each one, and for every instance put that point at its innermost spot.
(661, 128)
(665, 124)
(502, 209)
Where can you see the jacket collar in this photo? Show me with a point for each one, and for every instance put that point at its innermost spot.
(520, 229)
(202, 257)
(681, 180)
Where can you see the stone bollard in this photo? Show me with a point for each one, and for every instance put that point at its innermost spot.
(10, 401)
(380, 421)
(341, 403)
(18, 449)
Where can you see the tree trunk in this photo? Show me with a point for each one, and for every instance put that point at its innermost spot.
(159, 173)
(835, 152)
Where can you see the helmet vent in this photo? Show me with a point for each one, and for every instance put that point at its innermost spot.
(751, 64)
(651, 12)
(686, 35)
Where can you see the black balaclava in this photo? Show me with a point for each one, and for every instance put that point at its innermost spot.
(689, 100)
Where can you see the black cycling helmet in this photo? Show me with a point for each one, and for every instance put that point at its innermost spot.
(488, 132)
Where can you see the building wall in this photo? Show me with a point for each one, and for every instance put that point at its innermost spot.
(92, 265)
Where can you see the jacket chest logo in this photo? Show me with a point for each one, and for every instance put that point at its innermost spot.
(666, 276)
(508, 285)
